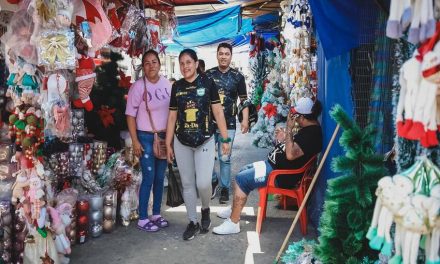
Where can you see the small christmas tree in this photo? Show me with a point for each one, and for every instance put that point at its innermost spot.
(348, 207)
(273, 108)
(108, 96)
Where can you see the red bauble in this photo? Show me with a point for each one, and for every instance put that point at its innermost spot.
(83, 206)
(83, 221)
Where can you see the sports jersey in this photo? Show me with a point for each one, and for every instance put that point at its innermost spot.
(192, 101)
(230, 85)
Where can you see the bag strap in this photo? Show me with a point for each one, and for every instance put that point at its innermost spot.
(146, 106)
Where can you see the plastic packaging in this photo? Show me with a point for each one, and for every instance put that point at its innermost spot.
(57, 49)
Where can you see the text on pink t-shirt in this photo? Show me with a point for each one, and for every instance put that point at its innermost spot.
(158, 95)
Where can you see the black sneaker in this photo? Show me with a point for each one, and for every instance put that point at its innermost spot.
(191, 231)
(206, 220)
(214, 189)
(224, 196)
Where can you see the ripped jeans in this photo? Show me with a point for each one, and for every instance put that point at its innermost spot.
(153, 174)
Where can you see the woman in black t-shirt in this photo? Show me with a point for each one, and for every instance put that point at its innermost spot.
(194, 100)
(291, 154)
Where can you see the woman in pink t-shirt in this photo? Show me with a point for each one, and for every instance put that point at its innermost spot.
(155, 90)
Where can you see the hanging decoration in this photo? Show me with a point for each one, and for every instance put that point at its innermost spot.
(301, 58)
(417, 111)
(411, 200)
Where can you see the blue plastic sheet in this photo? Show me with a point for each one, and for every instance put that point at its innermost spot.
(211, 28)
(334, 87)
(339, 24)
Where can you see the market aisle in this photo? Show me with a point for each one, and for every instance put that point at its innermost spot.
(129, 245)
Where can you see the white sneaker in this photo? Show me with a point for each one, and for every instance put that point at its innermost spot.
(227, 228)
(225, 213)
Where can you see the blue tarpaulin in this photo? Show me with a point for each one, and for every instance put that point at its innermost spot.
(334, 87)
(211, 28)
(339, 24)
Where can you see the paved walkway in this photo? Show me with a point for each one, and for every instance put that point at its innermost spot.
(129, 245)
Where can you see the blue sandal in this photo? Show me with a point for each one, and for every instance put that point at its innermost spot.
(161, 222)
(149, 227)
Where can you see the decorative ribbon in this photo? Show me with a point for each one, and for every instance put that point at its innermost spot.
(55, 47)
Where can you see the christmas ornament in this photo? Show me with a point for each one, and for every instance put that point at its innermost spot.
(108, 212)
(96, 203)
(108, 226)
(83, 206)
(96, 230)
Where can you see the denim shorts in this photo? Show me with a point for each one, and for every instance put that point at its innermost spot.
(247, 181)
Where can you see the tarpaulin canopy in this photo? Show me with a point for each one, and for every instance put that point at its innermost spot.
(205, 29)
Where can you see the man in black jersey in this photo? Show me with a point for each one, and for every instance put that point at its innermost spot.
(231, 86)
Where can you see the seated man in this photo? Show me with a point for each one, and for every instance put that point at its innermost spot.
(291, 154)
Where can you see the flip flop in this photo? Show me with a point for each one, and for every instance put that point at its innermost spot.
(148, 227)
(161, 222)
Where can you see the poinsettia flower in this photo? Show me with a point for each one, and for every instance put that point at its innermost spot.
(124, 81)
(106, 115)
(270, 110)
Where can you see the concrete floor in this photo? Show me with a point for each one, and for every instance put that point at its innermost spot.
(129, 245)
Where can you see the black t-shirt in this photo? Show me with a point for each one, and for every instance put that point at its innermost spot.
(309, 139)
(192, 101)
(231, 85)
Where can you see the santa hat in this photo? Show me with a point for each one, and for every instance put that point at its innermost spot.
(85, 69)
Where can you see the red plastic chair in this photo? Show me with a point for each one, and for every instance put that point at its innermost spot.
(298, 193)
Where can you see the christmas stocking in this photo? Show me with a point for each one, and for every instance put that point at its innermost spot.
(85, 77)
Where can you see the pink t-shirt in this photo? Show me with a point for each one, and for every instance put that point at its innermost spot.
(158, 102)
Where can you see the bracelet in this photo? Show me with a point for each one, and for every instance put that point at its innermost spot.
(225, 140)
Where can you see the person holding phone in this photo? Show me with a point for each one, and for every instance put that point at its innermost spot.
(293, 153)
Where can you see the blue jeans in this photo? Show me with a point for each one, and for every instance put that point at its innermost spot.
(247, 181)
(153, 173)
(225, 166)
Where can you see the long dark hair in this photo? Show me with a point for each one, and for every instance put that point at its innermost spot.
(192, 54)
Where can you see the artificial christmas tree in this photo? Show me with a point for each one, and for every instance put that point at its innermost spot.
(108, 116)
(273, 101)
(349, 201)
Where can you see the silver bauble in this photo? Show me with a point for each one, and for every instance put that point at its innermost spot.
(6, 256)
(96, 230)
(7, 242)
(96, 203)
(96, 216)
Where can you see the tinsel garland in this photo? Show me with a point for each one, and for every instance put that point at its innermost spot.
(349, 200)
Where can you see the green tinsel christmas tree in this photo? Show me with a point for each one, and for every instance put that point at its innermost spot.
(349, 204)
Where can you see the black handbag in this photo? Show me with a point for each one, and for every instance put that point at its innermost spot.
(174, 193)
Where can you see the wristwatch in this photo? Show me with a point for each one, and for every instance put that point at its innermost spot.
(225, 140)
